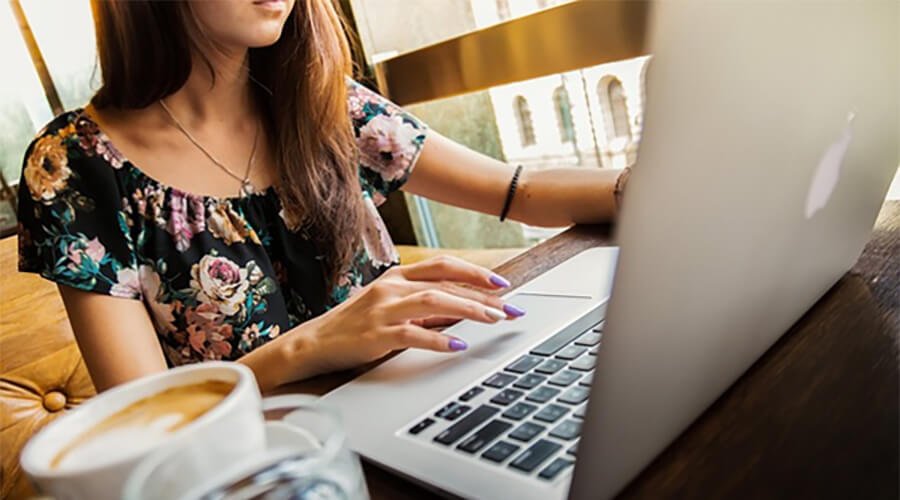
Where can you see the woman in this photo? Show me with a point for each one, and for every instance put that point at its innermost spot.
(216, 200)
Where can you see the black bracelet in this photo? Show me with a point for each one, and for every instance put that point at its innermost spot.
(510, 193)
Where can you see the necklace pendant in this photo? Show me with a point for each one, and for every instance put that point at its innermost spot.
(247, 188)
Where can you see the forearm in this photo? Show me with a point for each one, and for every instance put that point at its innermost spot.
(559, 197)
(285, 359)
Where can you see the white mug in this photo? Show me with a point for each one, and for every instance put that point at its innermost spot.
(232, 429)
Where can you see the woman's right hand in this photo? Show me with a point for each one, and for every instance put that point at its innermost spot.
(393, 311)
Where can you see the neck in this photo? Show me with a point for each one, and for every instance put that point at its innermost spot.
(205, 98)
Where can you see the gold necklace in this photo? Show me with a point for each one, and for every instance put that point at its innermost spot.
(246, 186)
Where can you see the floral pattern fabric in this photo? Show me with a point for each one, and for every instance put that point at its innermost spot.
(219, 276)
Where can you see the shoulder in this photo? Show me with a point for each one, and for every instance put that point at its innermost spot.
(366, 105)
(389, 140)
(68, 148)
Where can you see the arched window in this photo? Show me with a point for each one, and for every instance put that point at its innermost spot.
(502, 9)
(523, 115)
(563, 108)
(615, 108)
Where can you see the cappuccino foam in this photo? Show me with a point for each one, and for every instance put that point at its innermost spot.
(142, 424)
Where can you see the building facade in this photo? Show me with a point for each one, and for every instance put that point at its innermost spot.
(591, 117)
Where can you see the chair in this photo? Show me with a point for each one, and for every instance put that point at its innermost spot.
(42, 374)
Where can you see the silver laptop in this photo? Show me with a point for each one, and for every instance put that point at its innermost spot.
(770, 139)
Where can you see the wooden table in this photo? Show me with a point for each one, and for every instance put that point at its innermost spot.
(817, 416)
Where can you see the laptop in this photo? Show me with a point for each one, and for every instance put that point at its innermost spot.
(770, 140)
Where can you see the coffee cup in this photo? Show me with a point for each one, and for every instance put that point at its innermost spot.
(211, 411)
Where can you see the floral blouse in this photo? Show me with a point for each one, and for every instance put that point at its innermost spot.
(218, 276)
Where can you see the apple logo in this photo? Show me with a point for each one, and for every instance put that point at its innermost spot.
(828, 172)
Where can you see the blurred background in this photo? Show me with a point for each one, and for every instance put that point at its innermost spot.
(587, 115)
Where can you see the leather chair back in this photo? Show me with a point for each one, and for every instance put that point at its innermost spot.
(42, 374)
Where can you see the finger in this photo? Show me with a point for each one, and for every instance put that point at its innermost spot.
(446, 268)
(437, 303)
(405, 336)
(435, 322)
(487, 299)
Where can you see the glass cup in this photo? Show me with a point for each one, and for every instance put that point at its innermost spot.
(306, 458)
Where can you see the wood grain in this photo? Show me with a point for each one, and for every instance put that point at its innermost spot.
(817, 416)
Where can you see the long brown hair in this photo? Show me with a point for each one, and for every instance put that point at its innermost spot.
(145, 55)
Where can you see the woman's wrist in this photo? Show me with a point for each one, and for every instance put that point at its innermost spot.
(283, 360)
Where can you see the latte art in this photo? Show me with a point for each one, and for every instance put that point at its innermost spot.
(142, 424)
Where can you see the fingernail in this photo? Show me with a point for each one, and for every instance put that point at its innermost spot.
(500, 281)
(495, 314)
(513, 310)
(458, 345)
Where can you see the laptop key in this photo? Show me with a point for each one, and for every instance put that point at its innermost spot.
(488, 433)
(575, 395)
(527, 431)
(565, 378)
(535, 455)
(452, 434)
(529, 381)
(452, 411)
(471, 393)
(579, 413)
(556, 342)
(599, 327)
(573, 450)
(584, 363)
(555, 467)
(551, 413)
(586, 381)
(571, 352)
(589, 339)
(550, 366)
(524, 364)
(542, 394)
(506, 396)
(499, 380)
(500, 451)
(421, 426)
(595, 350)
(519, 411)
(570, 429)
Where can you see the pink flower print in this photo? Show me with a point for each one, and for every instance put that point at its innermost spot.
(186, 218)
(221, 282)
(108, 152)
(356, 107)
(82, 254)
(387, 145)
(128, 284)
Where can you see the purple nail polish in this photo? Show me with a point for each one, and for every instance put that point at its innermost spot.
(458, 345)
(500, 281)
(513, 310)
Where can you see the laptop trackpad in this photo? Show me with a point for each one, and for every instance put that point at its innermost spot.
(544, 314)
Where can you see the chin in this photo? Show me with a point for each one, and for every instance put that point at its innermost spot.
(263, 38)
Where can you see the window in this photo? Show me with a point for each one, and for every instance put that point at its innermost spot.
(526, 122)
(502, 9)
(563, 107)
(615, 109)
(64, 32)
(526, 126)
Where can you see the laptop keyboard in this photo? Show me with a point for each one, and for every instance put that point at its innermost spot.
(526, 417)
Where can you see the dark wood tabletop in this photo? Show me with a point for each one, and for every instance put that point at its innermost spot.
(817, 416)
